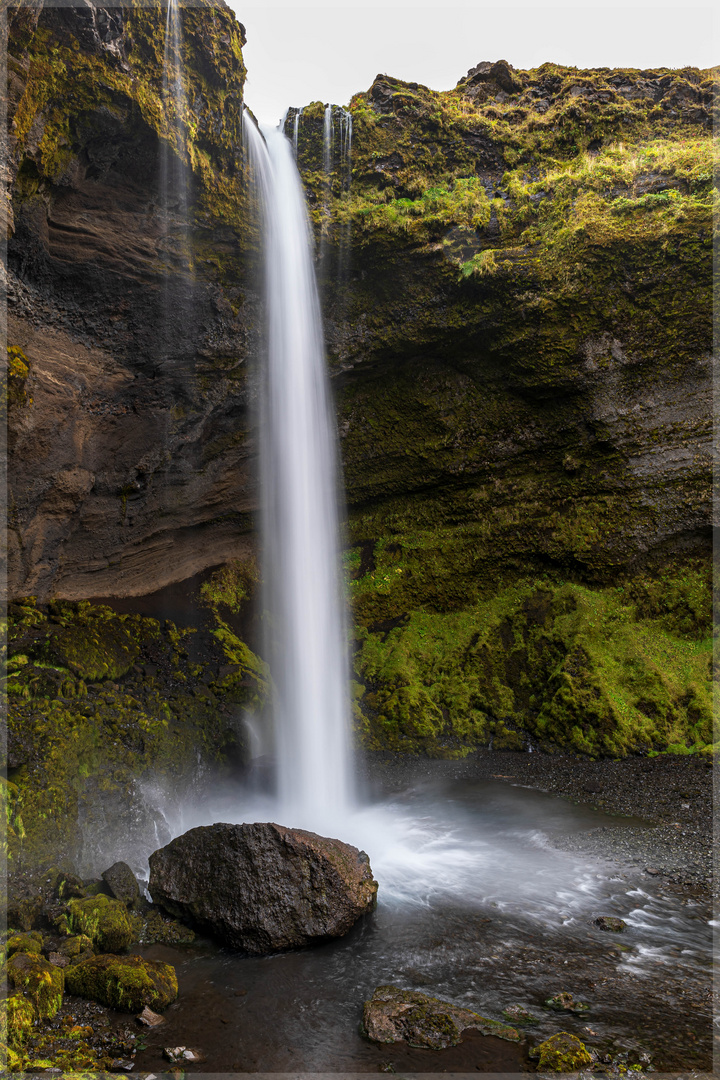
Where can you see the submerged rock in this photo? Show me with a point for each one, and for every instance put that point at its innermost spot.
(263, 887)
(562, 1053)
(395, 1015)
(565, 1002)
(609, 922)
(517, 1014)
(127, 983)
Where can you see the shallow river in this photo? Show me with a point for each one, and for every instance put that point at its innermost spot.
(474, 906)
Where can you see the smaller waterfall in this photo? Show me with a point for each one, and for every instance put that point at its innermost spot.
(301, 560)
(296, 131)
(174, 179)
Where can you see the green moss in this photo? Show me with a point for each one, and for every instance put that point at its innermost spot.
(18, 369)
(557, 665)
(562, 1053)
(127, 983)
(39, 981)
(19, 1020)
(230, 586)
(27, 943)
(103, 920)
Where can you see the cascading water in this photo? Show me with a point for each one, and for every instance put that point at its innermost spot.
(300, 519)
(174, 194)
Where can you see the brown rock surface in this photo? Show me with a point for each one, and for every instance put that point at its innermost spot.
(395, 1015)
(263, 887)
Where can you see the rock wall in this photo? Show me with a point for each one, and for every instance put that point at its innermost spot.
(129, 465)
(517, 287)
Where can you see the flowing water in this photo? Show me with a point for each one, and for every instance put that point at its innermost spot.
(299, 488)
(476, 906)
(174, 193)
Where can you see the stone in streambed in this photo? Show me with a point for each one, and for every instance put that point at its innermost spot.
(394, 1015)
(517, 1014)
(263, 887)
(609, 922)
(562, 1053)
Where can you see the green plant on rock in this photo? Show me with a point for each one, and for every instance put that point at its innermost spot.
(127, 983)
(562, 1052)
(18, 1021)
(231, 585)
(104, 920)
(41, 982)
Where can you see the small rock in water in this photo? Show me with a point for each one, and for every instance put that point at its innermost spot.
(516, 1014)
(651, 870)
(271, 888)
(562, 1053)
(395, 1015)
(150, 1018)
(609, 922)
(182, 1055)
(564, 1002)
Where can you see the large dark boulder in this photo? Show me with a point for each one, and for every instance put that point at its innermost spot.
(263, 887)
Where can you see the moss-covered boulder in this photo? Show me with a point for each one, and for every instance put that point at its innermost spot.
(27, 943)
(79, 945)
(104, 920)
(39, 981)
(127, 983)
(19, 1020)
(396, 1015)
(562, 1053)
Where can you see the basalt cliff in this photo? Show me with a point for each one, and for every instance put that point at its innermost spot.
(516, 279)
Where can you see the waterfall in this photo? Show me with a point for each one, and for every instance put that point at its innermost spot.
(300, 519)
(174, 190)
(296, 131)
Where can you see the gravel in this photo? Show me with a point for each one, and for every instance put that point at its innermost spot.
(671, 794)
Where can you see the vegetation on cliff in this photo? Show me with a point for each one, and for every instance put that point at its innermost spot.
(100, 700)
(522, 345)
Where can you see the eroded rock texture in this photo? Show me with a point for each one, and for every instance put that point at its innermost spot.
(129, 464)
(263, 887)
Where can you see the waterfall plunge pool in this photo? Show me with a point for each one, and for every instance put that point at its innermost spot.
(476, 906)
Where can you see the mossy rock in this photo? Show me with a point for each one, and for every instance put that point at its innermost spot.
(127, 983)
(167, 931)
(18, 1020)
(39, 981)
(562, 1052)
(75, 946)
(104, 920)
(99, 650)
(10, 1059)
(27, 943)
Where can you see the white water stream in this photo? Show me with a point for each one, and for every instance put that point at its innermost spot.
(300, 519)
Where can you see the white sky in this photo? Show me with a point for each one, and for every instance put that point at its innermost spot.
(296, 54)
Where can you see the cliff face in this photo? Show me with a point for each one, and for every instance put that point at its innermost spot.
(128, 469)
(517, 289)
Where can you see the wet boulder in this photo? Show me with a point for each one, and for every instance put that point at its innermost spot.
(394, 1015)
(122, 883)
(562, 1052)
(103, 920)
(610, 923)
(127, 983)
(263, 887)
(38, 980)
